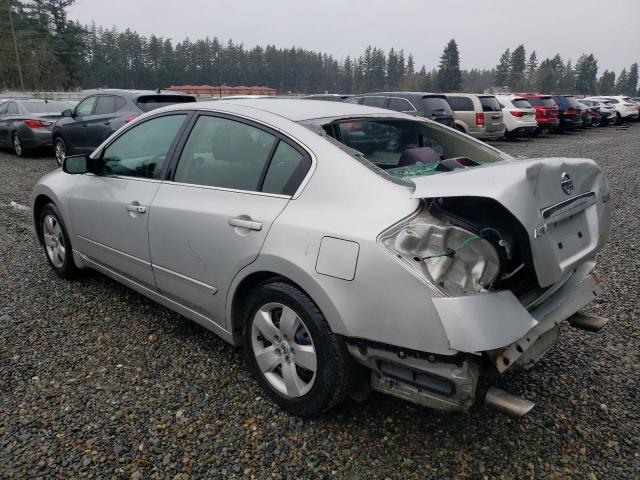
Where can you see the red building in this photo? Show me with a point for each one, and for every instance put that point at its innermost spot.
(224, 90)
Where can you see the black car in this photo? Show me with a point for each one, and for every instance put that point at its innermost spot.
(421, 104)
(101, 113)
(570, 113)
(27, 124)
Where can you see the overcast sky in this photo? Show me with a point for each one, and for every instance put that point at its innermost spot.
(482, 28)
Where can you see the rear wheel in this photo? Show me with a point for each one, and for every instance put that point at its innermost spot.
(18, 148)
(56, 243)
(292, 352)
(61, 150)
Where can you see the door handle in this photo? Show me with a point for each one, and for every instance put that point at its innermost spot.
(136, 208)
(84, 125)
(242, 223)
(107, 123)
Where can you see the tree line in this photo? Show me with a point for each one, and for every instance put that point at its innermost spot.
(56, 53)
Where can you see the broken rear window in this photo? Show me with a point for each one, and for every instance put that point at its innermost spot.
(407, 148)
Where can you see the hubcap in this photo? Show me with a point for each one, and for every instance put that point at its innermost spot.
(54, 241)
(284, 350)
(17, 146)
(60, 153)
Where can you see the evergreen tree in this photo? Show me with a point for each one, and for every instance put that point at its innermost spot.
(586, 73)
(623, 81)
(517, 68)
(567, 81)
(449, 76)
(632, 81)
(503, 68)
(532, 69)
(607, 83)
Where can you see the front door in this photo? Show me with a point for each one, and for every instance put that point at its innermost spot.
(75, 131)
(110, 209)
(231, 182)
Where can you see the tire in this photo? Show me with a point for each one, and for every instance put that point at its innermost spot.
(18, 148)
(618, 118)
(460, 129)
(273, 350)
(55, 242)
(60, 150)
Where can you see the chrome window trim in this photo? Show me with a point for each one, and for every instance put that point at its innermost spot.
(405, 111)
(225, 189)
(124, 177)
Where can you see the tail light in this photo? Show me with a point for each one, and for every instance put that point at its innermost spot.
(542, 111)
(130, 118)
(628, 104)
(37, 123)
(517, 114)
(479, 118)
(571, 111)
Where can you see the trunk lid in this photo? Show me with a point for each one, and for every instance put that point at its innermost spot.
(562, 203)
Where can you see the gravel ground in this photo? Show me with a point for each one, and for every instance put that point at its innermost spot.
(99, 382)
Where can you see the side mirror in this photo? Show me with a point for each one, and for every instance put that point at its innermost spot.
(67, 113)
(76, 164)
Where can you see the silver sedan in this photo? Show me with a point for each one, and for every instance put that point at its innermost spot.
(345, 248)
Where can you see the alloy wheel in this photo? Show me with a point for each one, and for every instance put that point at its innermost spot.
(284, 350)
(54, 240)
(17, 145)
(60, 152)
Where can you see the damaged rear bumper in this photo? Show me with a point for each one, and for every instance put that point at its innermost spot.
(491, 328)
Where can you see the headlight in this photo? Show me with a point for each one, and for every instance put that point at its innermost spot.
(450, 258)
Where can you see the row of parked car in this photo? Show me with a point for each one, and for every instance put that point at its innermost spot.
(488, 117)
(29, 124)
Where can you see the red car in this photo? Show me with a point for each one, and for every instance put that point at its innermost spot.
(546, 111)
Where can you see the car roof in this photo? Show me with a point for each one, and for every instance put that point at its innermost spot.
(296, 110)
(133, 93)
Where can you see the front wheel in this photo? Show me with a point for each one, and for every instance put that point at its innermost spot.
(56, 243)
(292, 352)
(61, 150)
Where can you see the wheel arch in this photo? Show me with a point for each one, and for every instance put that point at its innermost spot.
(461, 126)
(246, 281)
(39, 203)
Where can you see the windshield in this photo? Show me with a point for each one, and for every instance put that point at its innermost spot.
(151, 102)
(46, 107)
(404, 148)
(521, 103)
(436, 106)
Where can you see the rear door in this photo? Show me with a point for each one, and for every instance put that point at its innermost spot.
(232, 179)
(492, 113)
(464, 112)
(110, 209)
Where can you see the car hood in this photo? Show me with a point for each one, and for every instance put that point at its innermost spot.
(564, 229)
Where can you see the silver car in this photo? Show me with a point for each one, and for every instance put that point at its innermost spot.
(345, 248)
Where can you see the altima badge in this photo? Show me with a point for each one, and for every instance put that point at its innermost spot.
(566, 183)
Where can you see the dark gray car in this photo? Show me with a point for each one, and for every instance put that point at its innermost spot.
(100, 114)
(420, 104)
(27, 124)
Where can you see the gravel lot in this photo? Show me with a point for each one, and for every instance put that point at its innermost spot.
(99, 382)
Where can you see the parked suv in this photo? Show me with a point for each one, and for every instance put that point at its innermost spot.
(606, 111)
(518, 116)
(477, 115)
(420, 104)
(546, 111)
(570, 114)
(100, 114)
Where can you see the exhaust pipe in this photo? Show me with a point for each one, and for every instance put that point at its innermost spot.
(505, 402)
(587, 322)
